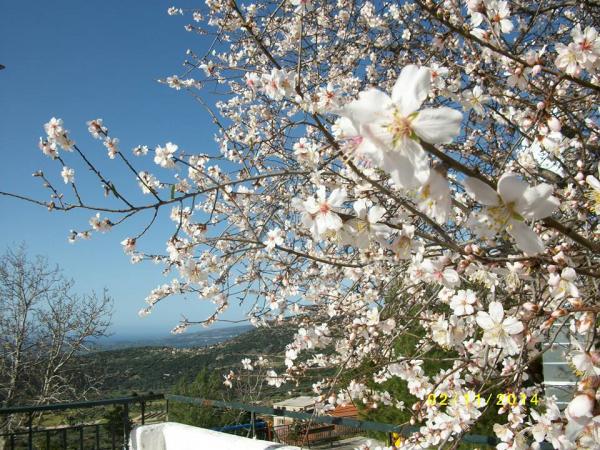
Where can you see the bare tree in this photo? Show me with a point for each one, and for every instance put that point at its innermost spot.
(44, 329)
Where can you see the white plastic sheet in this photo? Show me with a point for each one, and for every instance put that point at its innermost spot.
(176, 436)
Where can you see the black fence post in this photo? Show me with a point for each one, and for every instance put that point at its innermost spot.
(64, 438)
(143, 413)
(97, 437)
(12, 442)
(47, 440)
(30, 431)
(126, 426)
(81, 437)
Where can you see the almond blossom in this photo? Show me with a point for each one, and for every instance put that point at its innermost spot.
(434, 197)
(278, 84)
(318, 212)
(395, 126)
(585, 362)
(463, 302)
(58, 135)
(359, 231)
(112, 144)
(67, 174)
(164, 155)
(563, 284)
(499, 331)
(274, 237)
(508, 208)
(594, 193)
(348, 196)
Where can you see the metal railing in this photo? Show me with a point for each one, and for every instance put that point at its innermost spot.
(310, 427)
(119, 435)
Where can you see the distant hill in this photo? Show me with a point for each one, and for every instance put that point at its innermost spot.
(157, 368)
(196, 339)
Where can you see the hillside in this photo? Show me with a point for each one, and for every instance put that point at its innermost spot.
(186, 340)
(158, 368)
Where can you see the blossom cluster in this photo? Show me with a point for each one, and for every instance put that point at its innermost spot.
(405, 184)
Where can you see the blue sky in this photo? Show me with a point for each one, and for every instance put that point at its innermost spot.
(81, 60)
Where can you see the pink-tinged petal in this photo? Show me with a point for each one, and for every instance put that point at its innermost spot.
(526, 239)
(511, 187)
(512, 326)
(437, 125)
(481, 192)
(484, 320)
(411, 88)
(369, 105)
(337, 197)
(496, 312)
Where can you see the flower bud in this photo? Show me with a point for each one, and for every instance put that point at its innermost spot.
(554, 124)
(547, 324)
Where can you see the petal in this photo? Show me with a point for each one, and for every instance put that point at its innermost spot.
(512, 325)
(537, 202)
(593, 182)
(337, 197)
(368, 106)
(411, 88)
(480, 191)
(418, 159)
(360, 207)
(543, 208)
(569, 274)
(346, 127)
(400, 169)
(409, 167)
(511, 187)
(376, 213)
(370, 151)
(362, 240)
(496, 312)
(451, 277)
(321, 193)
(484, 320)
(332, 221)
(309, 205)
(437, 125)
(526, 239)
